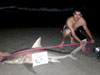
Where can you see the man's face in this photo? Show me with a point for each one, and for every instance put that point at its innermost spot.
(77, 15)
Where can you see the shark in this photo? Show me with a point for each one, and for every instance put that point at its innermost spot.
(53, 56)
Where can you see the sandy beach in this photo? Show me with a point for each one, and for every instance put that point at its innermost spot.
(14, 39)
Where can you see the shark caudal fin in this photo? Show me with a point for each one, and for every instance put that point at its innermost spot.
(37, 44)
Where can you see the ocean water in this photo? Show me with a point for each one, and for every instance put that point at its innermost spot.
(14, 16)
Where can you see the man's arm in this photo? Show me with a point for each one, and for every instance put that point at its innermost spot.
(88, 31)
(72, 31)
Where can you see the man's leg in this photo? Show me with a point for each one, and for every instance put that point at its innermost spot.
(65, 34)
(72, 39)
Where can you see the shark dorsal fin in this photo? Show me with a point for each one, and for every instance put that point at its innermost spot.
(37, 44)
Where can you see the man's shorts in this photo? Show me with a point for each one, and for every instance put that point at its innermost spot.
(64, 28)
(79, 32)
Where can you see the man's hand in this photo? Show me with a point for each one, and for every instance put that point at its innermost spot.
(92, 41)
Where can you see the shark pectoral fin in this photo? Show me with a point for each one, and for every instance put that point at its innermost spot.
(30, 68)
(54, 60)
(37, 44)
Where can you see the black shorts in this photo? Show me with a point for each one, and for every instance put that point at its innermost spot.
(79, 32)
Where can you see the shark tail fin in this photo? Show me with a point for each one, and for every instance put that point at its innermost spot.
(37, 44)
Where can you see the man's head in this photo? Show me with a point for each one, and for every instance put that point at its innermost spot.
(77, 14)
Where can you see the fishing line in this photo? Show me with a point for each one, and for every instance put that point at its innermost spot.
(26, 50)
(49, 47)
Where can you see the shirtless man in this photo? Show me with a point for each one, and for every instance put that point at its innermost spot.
(72, 24)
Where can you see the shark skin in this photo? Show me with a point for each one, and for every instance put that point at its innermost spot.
(26, 57)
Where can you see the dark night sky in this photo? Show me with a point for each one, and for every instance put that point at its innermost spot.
(47, 3)
(13, 17)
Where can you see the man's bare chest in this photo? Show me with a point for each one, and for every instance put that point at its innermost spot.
(76, 24)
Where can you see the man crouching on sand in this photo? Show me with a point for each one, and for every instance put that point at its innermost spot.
(72, 25)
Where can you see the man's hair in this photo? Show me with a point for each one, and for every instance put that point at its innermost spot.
(82, 10)
(77, 9)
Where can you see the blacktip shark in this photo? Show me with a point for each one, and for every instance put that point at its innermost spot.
(53, 56)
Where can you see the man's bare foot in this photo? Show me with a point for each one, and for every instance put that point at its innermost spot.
(72, 40)
(61, 44)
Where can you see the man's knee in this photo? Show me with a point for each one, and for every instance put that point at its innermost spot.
(67, 32)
